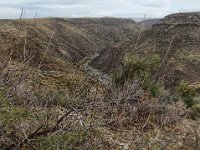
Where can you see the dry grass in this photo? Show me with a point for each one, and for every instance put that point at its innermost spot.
(47, 107)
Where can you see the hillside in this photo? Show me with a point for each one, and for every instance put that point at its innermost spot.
(60, 43)
(73, 39)
(107, 31)
(56, 90)
(176, 39)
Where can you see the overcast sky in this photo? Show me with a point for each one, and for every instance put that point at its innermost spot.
(96, 8)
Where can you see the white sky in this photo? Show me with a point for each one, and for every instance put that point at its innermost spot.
(96, 8)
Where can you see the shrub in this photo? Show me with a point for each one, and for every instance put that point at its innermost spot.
(186, 93)
(134, 106)
(154, 89)
(137, 68)
(195, 111)
(12, 115)
(62, 141)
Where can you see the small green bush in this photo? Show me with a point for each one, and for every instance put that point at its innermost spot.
(3, 99)
(195, 111)
(63, 141)
(135, 67)
(12, 115)
(174, 98)
(186, 93)
(154, 89)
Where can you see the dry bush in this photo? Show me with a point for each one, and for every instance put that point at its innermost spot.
(134, 106)
(32, 119)
(88, 120)
(26, 114)
(85, 118)
(132, 109)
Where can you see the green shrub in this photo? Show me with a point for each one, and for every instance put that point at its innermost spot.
(154, 89)
(3, 99)
(9, 114)
(186, 93)
(135, 67)
(63, 141)
(12, 115)
(117, 78)
(195, 111)
(174, 98)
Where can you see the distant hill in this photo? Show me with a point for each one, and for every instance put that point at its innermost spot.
(60, 44)
(148, 24)
(73, 38)
(176, 38)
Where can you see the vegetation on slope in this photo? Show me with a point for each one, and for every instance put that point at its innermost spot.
(175, 39)
(46, 102)
(128, 116)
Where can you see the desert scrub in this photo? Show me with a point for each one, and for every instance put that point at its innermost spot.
(13, 115)
(137, 68)
(60, 141)
(187, 94)
(3, 99)
(9, 114)
(195, 111)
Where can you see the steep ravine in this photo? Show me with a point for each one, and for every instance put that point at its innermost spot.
(94, 73)
(175, 39)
